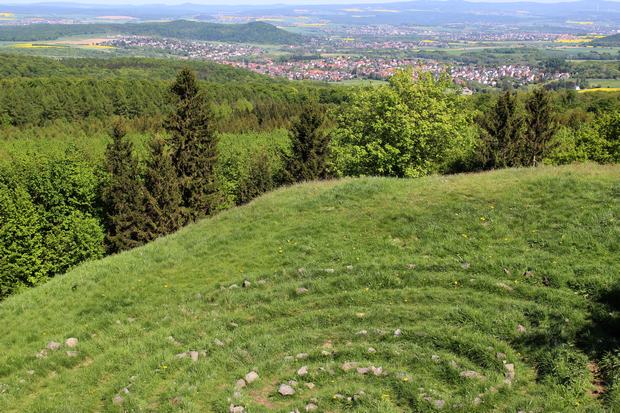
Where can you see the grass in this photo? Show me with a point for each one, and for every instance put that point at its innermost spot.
(518, 262)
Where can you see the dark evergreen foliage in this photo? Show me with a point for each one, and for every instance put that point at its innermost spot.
(194, 147)
(310, 147)
(541, 127)
(162, 186)
(502, 133)
(260, 178)
(124, 197)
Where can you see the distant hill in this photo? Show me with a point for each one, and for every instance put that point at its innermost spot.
(478, 293)
(254, 32)
(609, 41)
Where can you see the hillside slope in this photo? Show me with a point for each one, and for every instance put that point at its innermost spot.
(253, 32)
(470, 293)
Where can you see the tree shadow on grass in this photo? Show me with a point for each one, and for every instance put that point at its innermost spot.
(603, 333)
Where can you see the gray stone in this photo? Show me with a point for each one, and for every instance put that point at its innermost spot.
(330, 270)
(362, 333)
(71, 342)
(501, 356)
(349, 267)
(398, 332)
(251, 377)
(72, 353)
(240, 384)
(52, 345)
(218, 342)
(301, 356)
(310, 385)
(349, 365)
(117, 400)
(301, 290)
(302, 371)
(246, 284)
(470, 374)
(286, 390)
(311, 407)
(236, 409)
(371, 350)
(42, 354)
(439, 404)
(435, 358)
(194, 356)
(363, 370)
(377, 371)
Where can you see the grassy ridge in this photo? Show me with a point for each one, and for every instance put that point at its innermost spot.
(476, 271)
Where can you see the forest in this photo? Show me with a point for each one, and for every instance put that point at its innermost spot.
(100, 156)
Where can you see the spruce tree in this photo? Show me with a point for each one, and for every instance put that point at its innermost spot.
(502, 134)
(124, 197)
(541, 127)
(194, 147)
(310, 147)
(162, 188)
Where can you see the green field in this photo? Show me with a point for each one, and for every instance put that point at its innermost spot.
(468, 293)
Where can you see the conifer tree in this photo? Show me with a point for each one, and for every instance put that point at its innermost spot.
(194, 146)
(541, 127)
(124, 198)
(310, 147)
(502, 134)
(162, 187)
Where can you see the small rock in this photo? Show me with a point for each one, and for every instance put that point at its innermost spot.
(246, 284)
(439, 404)
(521, 329)
(510, 371)
(302, 371)
(233, 324)
(181, 355)
(501, 356)
(240, 384)
(30, 372)
(289, 358)
(505, 287)
(371, 350)
(292, 383)
(72, 353)
(311, 407)
(349, 365)
(42, 354)
(338, 396)
(363, 370)
(52, 345)
(301, 356)
(310, 385)
(286, 390)
(232, 287)
(251, 377)
(218, 342)
(261, 282)
(411, 266)
(349, 267)
(377, 371)
(330, 270)
(301, 270)
(194, 356)
(326, 353)
(477, 401)
(131, 319)
(465, 265)
(362, 333)
(117, 400)
(71, 342)
(435, 358)
(236, 409)
(398, 332)
(301, 290)
(470, 374)
(507, 272)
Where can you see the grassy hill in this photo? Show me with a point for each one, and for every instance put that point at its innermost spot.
(469, 293)
(608, 41)
(253, 32)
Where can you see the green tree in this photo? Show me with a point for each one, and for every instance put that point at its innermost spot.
(502, 131)
(194, 146)
(540, 127)
(124, 196)
(310, 147)
(608, 127)
(407, 128)
(162, 186)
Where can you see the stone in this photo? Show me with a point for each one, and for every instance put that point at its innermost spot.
(236, 409)
(470, 374)
(338, 396)
(52, 345)
(302, 371)
(521, 329)
(326, 353)
(246, 284)
(261, 282)
(71, 342)
(349, 267)
(286, 390)
(232, 287)
(477, 401)
(240, 384)
(510, 372)
(194, 356)
(505, 286)
(251, 377)
(371, 350)
(311, 407)
(301, 270)
(330, 270)
(362, 333)
(289, 358)
(301, 290)
(292, 383)
(411, 266)
(465, 265)
(72, 353)
(125, 390)
(42, 354)
(398, 332)
(362, 370)
(218, 342)
(310, 385)
(435, 358)
(377, 371)
(30, 372)
(439, 404)
(349, 365)
(301, 356)
(117, 400)
(500, 356)
(181, 355)
(233, 324)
